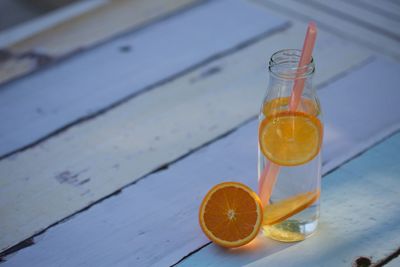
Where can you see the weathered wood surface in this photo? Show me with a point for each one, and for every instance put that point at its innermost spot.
(375, 95)
(154, 221)
(13, 65)
(101, 21)
(394, 263)
(390, 6)
(113, 151)
(96, 25)
(36, 26)
(362, 34)
(360, 216)
(385, 8)
(372, 20)
(43, 103)
(395, 5)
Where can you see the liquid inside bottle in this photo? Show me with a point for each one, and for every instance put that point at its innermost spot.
(290, 142)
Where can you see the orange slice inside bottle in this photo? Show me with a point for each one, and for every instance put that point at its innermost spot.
(286, 208)
(290, 138)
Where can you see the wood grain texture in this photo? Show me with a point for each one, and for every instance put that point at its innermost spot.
(145, 133)
(360, 216)
(393, 263)
(329, 21)
(96, 25)
(364, 18)
(154, 221)
(383, 8)
(45, 22)
(86, 29)
(33, 107)
(375, 96)
(394, 6)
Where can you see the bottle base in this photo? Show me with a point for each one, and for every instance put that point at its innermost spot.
(290, 230)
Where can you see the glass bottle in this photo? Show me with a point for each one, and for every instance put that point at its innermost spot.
(289, 150)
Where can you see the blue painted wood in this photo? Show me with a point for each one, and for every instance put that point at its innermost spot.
(155, 220)
(382, 43)
(238, 80)
(35, 106)
(360, 110)
(393, 263)
(360, 217)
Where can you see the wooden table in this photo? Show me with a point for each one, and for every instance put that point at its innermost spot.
(118, 116)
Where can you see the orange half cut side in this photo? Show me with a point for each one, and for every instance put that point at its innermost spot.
(231, 214)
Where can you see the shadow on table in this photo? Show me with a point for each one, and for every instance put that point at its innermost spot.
(255, 250)
(357, 220)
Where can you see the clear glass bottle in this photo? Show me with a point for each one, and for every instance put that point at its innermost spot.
(290, 138)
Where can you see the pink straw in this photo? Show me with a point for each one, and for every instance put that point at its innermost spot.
(271, 170)
(305, 59)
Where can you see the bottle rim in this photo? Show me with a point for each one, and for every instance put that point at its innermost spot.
(284, 64)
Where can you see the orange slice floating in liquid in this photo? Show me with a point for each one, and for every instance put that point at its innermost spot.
(231, 214)
(284, 209)
(290, 138)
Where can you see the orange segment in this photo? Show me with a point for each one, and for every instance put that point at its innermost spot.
(290, 138)
(231, 214)
(286, 208)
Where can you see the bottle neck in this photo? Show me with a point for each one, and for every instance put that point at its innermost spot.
(285, 72)
(279, 87)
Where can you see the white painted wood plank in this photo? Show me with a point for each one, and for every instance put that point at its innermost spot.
(381, 7)
(363, 36)
(360, 215)
(393, 263)
(393, 5)
(32, 27)
(362, 17)
(371, 89)
(104, 22)
(154, 222)
(13, 67)
(113, 151)
(37, 105)
(82, 27)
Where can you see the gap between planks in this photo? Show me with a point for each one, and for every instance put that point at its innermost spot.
(393, 260)
(342, 28)
(36, 26)
(28, 242)
(101, 85)
(115, 222)
(377, 263)
(356, 220)
(371, 21)
(376, 7)
(147, 153)
(145, 90)
(82, 31)
(252, 78)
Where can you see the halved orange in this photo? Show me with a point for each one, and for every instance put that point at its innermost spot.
(231, 214)
(281, 210)
(290, 138)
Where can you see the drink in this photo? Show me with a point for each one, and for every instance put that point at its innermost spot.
(290, 142)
